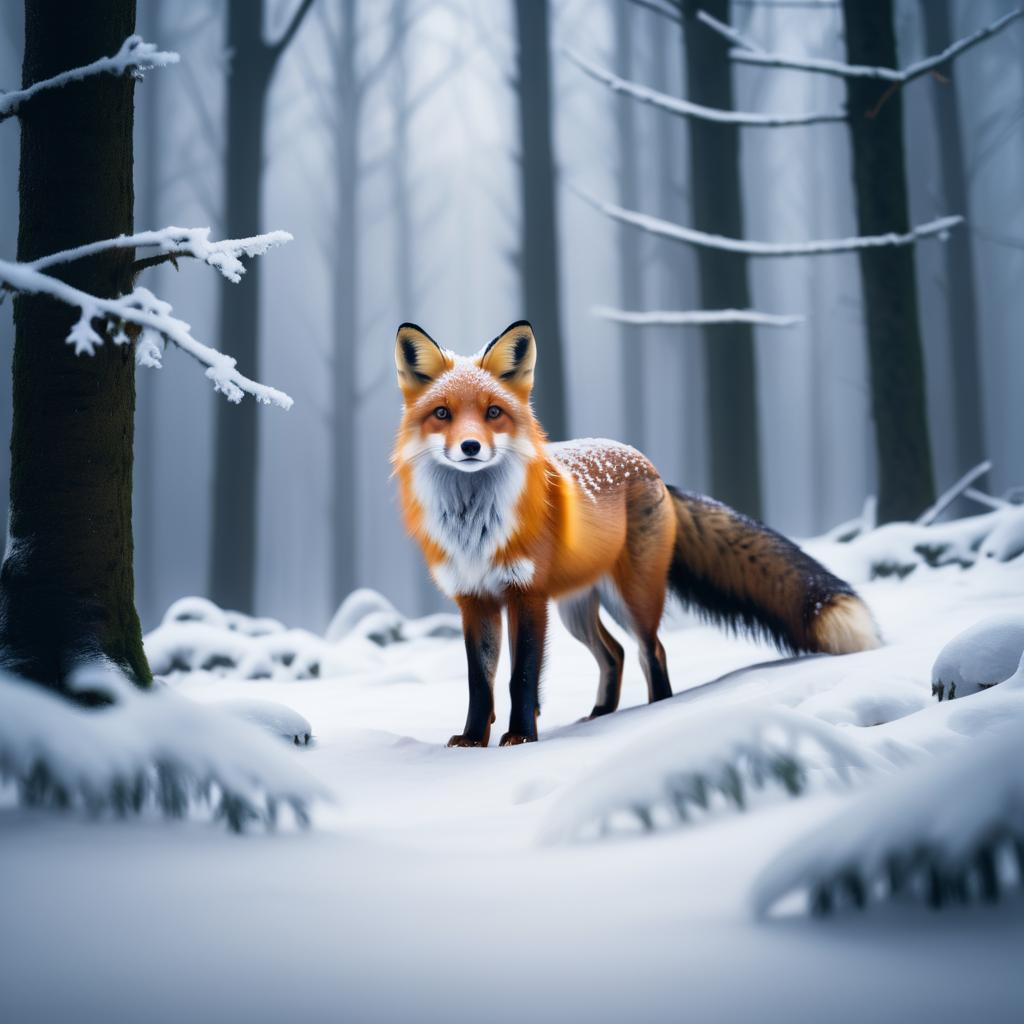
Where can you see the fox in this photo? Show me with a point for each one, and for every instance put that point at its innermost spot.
(510, 522)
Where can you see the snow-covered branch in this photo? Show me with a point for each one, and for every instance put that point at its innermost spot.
(135, 55)
(667, 229)
(747, 52)
(224, 256)
(696, 317)
(684, 108)
(150, 316)
(947, 498)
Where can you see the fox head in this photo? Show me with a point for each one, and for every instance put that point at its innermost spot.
(464, 413)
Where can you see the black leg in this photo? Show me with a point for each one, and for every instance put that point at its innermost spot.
(652, 660)
(527, 628)
(481, 625)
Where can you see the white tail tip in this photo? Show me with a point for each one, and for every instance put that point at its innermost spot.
(846, 626)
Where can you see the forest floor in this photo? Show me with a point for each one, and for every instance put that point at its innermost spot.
(423, 893)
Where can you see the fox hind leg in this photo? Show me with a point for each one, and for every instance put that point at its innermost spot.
(582, 618)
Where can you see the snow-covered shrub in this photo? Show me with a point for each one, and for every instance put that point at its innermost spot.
(147, 751)
(367, 613)
(200, 609)
(947, 829)
(978, 658)
(703, 760)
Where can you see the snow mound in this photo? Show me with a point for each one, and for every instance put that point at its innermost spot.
(199, 609)
(1006, 541)
(270, 715)
(150, 750)
(978, 658)
(689, 766)
(947, 829)
(369, 614)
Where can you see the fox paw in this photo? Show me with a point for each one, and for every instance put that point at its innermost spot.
(461, 740)
(512, 739)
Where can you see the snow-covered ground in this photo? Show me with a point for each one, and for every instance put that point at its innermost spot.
(438, 886)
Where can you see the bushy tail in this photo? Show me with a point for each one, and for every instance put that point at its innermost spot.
(738, 573)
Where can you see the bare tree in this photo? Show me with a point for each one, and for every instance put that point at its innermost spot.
(539, 251)
(235, 479)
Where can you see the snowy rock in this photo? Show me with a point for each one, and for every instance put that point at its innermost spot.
(978, 658)
(276, 718)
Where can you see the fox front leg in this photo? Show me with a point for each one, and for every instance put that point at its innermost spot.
(481, 627)
(527, 629)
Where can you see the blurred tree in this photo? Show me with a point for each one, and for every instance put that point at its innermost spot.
(235, 478)
(961, 293)
(66, 586)
(717, 205)
(629, 243)
(905, 482)
(538, 251)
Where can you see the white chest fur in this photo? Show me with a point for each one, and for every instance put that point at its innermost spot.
(471, 516)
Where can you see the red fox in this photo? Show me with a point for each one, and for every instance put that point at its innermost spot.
(508, 521)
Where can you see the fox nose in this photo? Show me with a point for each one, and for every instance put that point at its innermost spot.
(470, 448)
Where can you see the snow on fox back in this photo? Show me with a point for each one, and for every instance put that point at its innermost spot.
(598, 464)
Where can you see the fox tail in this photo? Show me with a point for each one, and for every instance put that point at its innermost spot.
(737, 573)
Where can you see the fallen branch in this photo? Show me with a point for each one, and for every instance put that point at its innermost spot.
(696, 317)
(684, 108)
(929, 515)
(135, 55)
(667, 229)
(747, 52)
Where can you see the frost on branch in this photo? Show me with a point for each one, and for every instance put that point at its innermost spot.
(143, 315)
(696, 317)
(698, 763)
(948, 830)
(135, 56)
(148, 751)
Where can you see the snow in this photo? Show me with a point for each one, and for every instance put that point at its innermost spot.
(697, 317)
(424, 888)
(938, 228)
(978, 658)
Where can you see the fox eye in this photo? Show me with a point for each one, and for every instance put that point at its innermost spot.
(442, 413)
(493, 412)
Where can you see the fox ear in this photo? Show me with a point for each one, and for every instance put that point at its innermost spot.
(419, 359)
(512, 356)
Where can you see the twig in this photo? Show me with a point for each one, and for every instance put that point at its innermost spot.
(696, 317)
(947, 498)
(985, 499)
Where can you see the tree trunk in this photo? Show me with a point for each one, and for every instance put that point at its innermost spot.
(346, 311)
(717, 205)
(905, 483)
(66, 587)
(539, 250)
(232, 581)
(630, 271)
(961, 294)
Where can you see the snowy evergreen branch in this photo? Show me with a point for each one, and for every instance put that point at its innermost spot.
(946, 831)
(950, 495)
(148, 751)
(747, 52)
(224, 256)
(667, 229)
(698, 762)
(697, 317)
(684, 108)
(135, 55)
(150, 317)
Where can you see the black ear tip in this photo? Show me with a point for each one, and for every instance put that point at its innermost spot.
(518, 323)
(419, 330)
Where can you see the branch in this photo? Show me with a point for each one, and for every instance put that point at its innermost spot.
(696, 317)
(929, 515)
(276, 49)
(749, 53)
(144, 318)
(223, 256)
(684, 108)
(135, 55)
(666, 229)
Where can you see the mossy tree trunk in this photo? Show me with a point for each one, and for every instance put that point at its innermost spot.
(905, 482)
(66, 586)
(717, 204)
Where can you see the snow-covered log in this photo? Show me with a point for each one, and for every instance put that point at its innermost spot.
(151, 750)
(747, 52)
(696, 317)
(135, 56)
(150, 317)
(948, 830)
(684, 108)
(667, 229)
(685, 768)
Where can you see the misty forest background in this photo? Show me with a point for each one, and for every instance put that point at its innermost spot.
(389, 138)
